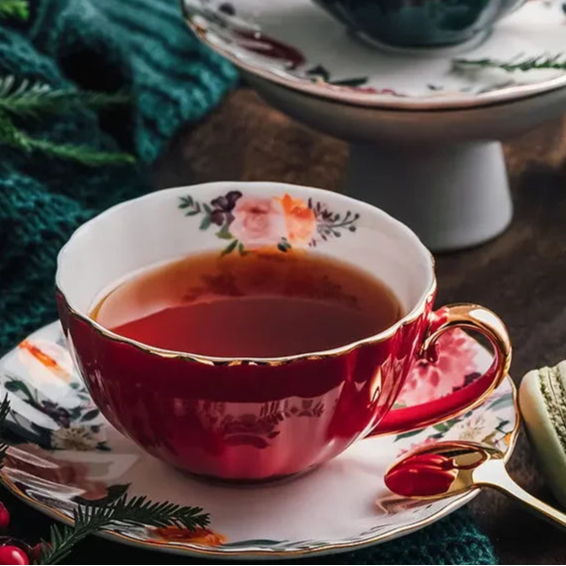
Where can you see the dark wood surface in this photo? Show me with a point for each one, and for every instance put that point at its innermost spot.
(521, 275)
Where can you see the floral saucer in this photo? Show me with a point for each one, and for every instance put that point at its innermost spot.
(69, 454)
(295, 43)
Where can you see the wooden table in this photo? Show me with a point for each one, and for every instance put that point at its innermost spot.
(521, 275)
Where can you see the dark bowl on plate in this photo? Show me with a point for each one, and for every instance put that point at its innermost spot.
(419, 23)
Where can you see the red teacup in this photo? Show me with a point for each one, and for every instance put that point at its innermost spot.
(260, 419)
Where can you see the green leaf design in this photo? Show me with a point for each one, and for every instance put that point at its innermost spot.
(556, 61)
(206, 222)
(359, 81)
(186, 202)
(407, 434)
(224, 233)
(230, 247)
(443, 427)
(16, 385)
(90, 415)
(503, 402)
(319, 71)
(192, 213)
(241, 249)
(502, 426)
(75, 413)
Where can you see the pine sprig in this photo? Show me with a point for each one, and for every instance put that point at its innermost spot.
(557, 62)
(88, 519)
(36, 100)
(10, 86)
(14, 9)
(13, 137)
(22, 98)
(80, 153)
(137, 511)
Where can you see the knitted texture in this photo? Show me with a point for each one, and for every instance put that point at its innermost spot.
(454, 540)
(141, 46)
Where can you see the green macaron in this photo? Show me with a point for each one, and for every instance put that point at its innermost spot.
(542, 399)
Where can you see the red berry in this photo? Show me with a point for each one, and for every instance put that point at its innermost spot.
(12, 555)
(4, 516)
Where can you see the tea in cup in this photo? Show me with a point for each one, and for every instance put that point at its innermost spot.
(252, 331)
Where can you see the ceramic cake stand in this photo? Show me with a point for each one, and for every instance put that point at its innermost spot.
(424, 126)
(442, 173)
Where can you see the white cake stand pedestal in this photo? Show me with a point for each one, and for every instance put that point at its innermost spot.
(440, 172)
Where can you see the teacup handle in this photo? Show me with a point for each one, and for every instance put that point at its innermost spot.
(473, 317)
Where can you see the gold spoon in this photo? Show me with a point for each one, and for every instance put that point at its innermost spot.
(451, 468)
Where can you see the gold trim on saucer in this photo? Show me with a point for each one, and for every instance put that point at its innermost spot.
(187, 549)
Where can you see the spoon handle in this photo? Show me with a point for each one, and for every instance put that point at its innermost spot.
(493, 474)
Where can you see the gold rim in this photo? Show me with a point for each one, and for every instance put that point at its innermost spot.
(415, 313)
(419, 308)
(506, 94)
(180, 548)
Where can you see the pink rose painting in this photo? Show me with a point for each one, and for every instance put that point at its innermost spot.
(258, 222)
(280, 222)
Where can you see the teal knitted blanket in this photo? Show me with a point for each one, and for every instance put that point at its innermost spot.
(143, 47)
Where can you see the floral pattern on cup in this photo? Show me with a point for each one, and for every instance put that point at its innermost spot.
(487, 426)
(60, 414)
(268, 223)
(454, 368)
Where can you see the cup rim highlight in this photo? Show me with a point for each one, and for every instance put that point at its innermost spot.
(113, 211)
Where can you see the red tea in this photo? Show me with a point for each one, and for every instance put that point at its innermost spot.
(255, 305)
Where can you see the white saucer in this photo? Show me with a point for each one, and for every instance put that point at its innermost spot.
(341, 505)
(295, 43)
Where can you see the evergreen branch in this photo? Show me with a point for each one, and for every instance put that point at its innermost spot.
(36, 100)
(80, 153)
(10, 86)
(27, 99)
(14, 9)
(11, 136)
(557, 62)
(137, 511)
